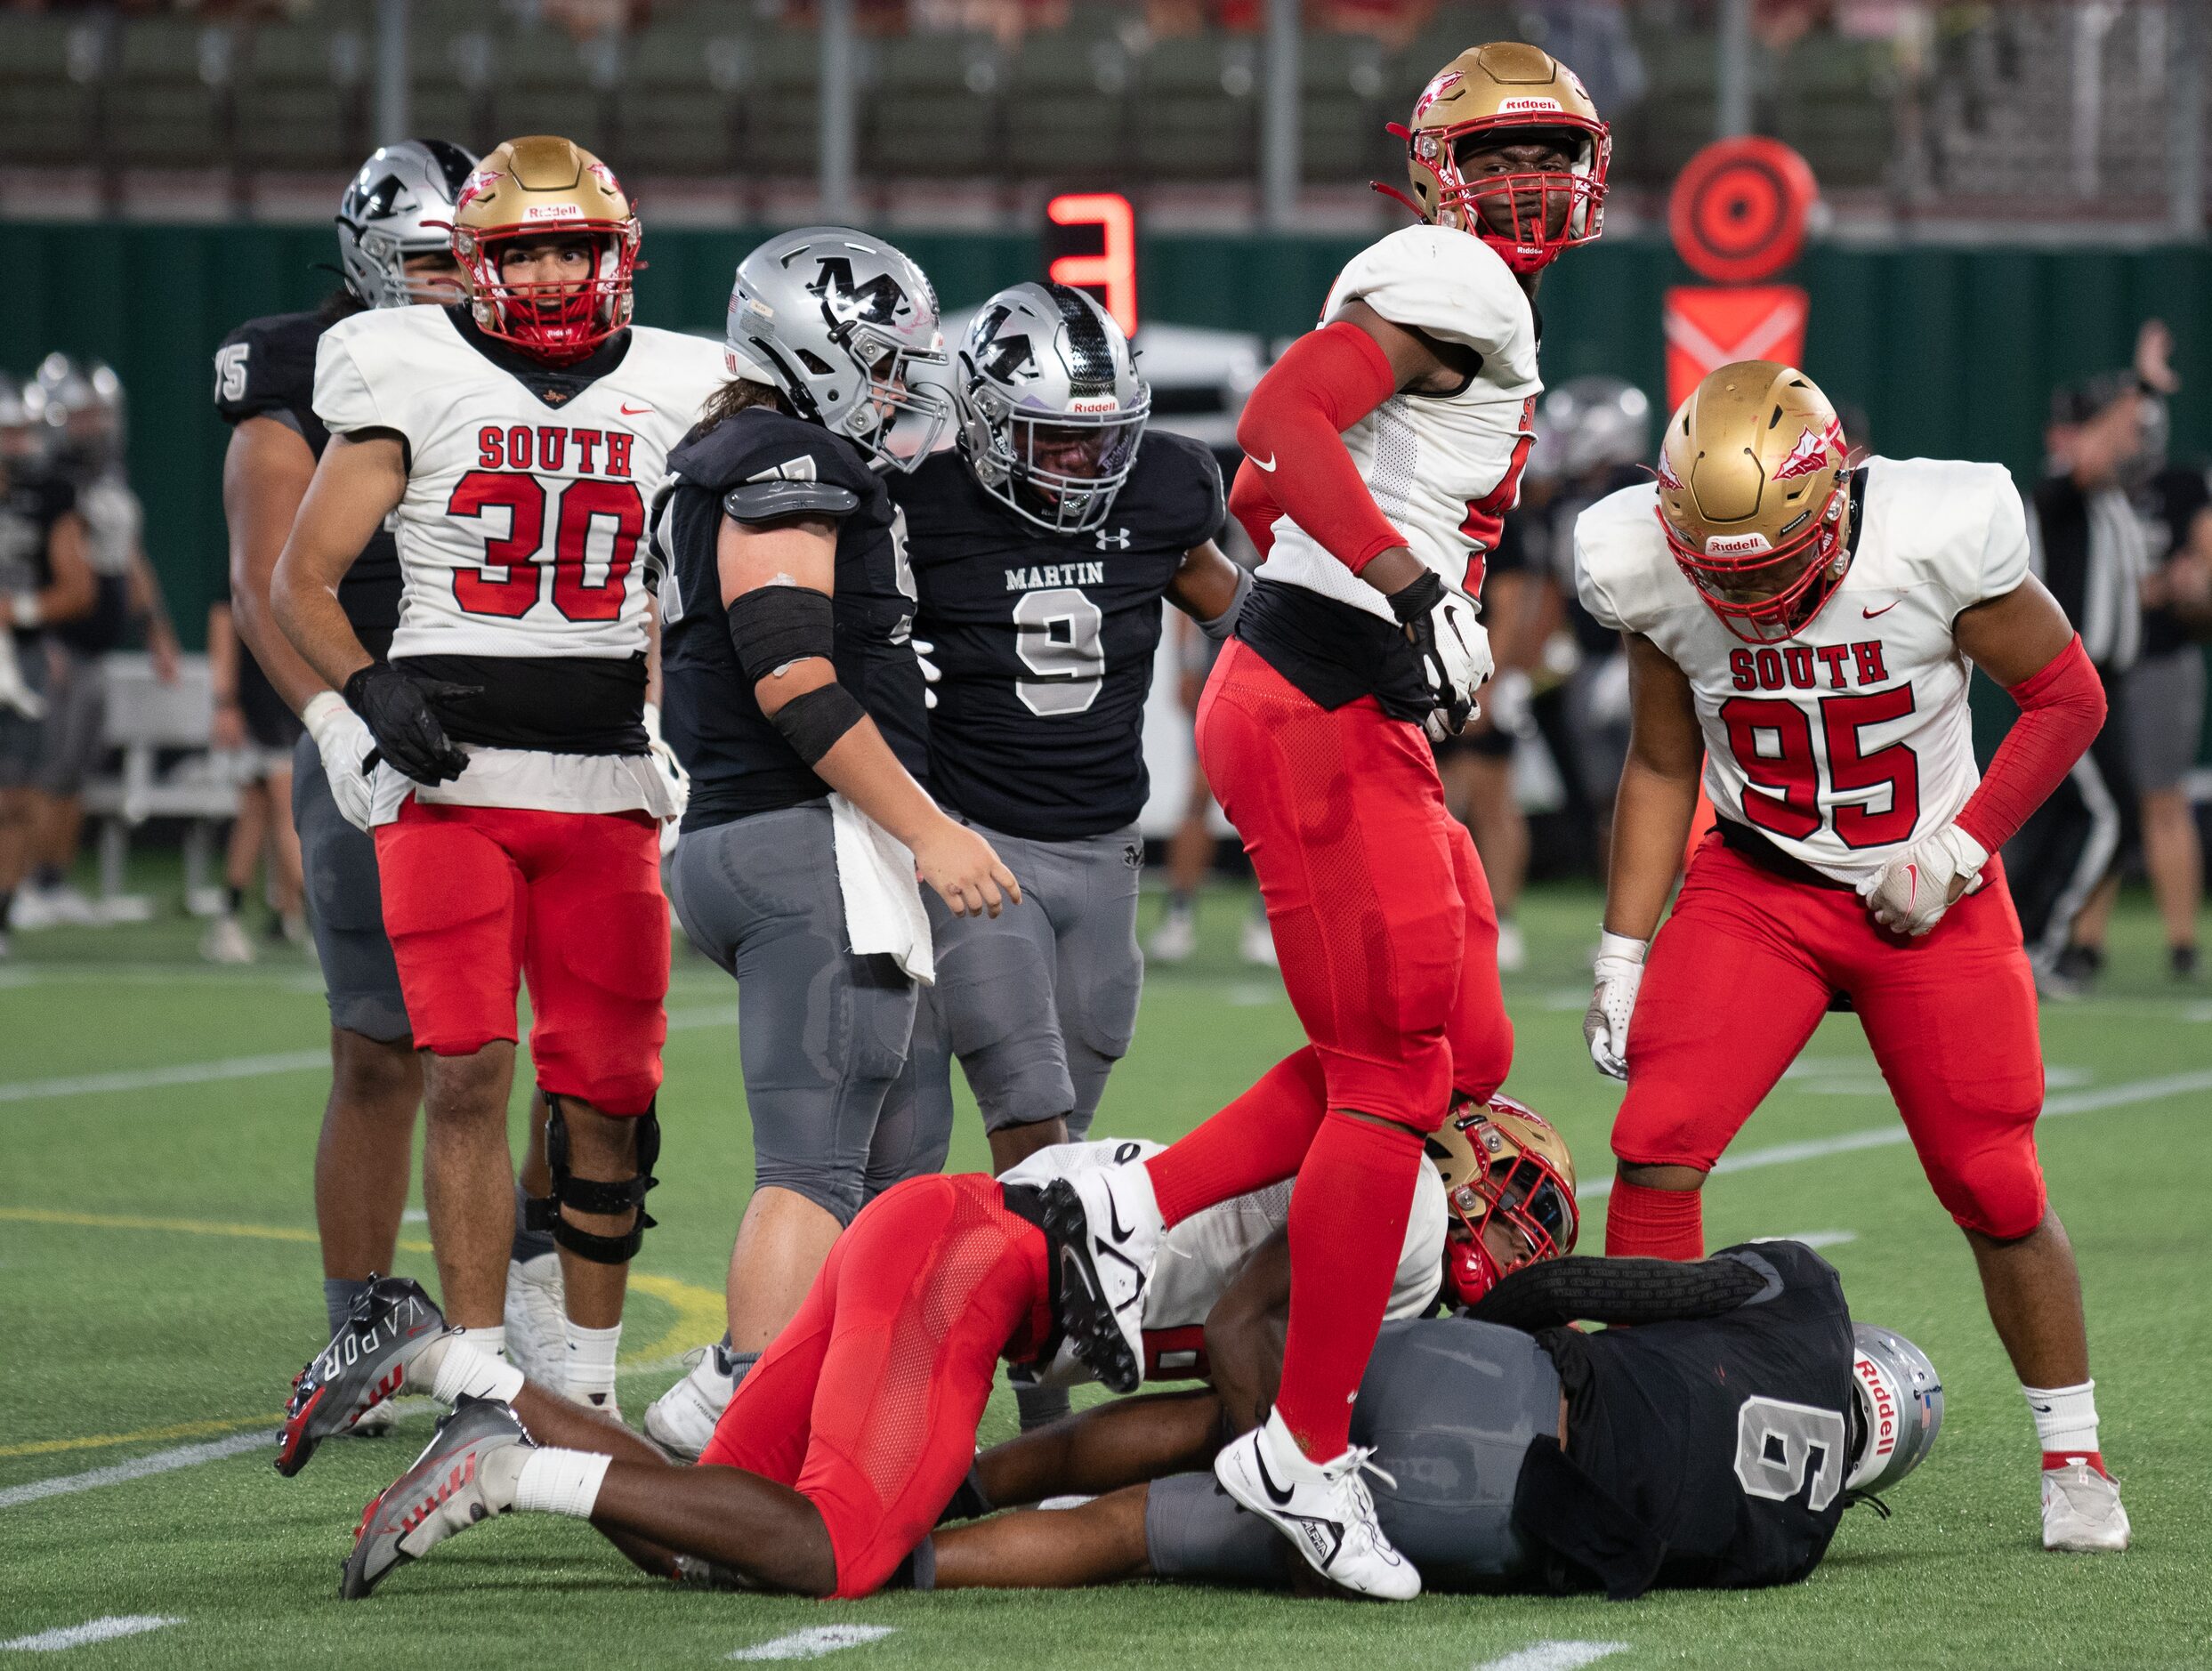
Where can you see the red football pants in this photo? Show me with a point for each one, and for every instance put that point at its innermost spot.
(867, 1403)
(1741, 974)
(1381, 913)
(477, 897)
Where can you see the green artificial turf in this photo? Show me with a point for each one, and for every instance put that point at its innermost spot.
(137, 1299)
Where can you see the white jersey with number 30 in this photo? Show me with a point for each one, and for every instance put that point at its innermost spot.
(521, 530)
(1444, 469)
(1852, 739)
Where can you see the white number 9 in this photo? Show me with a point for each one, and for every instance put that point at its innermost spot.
(1057, 634)
(1780, 1444)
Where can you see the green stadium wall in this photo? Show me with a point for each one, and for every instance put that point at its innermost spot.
(1948, 351)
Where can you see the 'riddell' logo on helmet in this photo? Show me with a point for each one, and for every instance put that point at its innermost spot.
(1736, 546)
(1808, 458)
(1528, 103)
(1090, 407)
(1436, 90)
(1884, 1438)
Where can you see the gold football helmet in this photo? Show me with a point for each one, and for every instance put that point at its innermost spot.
(1502, 1161)
(1753, 494)
(535, 188)
(1498, 95)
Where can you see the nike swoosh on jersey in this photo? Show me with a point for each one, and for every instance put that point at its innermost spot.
(1266, 464)
(1884, 610)
(635, 411)
(1113, 1218)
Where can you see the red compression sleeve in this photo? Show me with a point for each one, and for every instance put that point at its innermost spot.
(1292, 433)
(2061, 709)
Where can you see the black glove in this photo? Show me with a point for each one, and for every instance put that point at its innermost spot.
(1447, 667)
(398, 714)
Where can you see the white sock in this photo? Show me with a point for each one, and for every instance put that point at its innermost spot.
(561, 1482)
(591, 1368)
(2065, 1418)
(465, 1368)
(492, 1342)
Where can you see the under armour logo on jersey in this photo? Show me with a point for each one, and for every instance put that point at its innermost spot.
(1119, 540)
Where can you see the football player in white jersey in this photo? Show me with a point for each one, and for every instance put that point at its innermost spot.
(1382, 451)
(1809, 628)
(514, 440)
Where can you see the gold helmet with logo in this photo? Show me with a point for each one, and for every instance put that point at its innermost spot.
(535, 188)
(1755, 496)
(1498, 94)
(1502, 1160)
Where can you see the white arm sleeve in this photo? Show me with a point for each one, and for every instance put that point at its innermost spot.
(1421, 1267)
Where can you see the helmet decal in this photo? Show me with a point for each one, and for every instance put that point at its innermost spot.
(1804, 459)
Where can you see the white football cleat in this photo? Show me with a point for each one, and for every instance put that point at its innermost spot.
(2081, 1511)
(1106, 1227)
(1176, 938)
(225, 942)
(1513, 948)
(1255, 943)
(1324, 1508)
(683, 1418)
(537, 1321)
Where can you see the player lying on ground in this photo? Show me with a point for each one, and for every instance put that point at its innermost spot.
(1808, 628)
(849, 1439)
(1715, 1444)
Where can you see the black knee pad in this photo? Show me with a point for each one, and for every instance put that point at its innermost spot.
(590, 1195)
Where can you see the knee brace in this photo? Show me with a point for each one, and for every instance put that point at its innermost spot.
(590, 1195)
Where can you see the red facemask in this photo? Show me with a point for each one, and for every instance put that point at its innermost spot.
(1789, 610)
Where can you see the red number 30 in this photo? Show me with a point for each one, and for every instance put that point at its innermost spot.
(519, 551)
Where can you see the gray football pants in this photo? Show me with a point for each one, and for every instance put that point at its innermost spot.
(1039, 1003)
(822, 1034)
(1451, 1408)
(345, 908)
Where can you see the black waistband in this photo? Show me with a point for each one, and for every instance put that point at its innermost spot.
(563, 704)
(1742, 839)
(1331, 651)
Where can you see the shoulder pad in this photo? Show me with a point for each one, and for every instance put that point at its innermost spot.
(1624, 574)
(774, 499)
(1432, 278)
(1181, 488)
(267, 365)
(762, 443)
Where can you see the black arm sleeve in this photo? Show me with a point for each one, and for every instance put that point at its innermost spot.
(1557, 1291)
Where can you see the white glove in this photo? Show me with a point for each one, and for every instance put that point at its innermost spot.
(14, 693)
(1619, 971)
(1454, 649)
(1916, 887)
(671, 769)
(930, 672)
(345, 745)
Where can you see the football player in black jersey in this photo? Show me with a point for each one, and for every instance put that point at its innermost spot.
(797, 703)
(1041, 548)
(1715, 1445)
(395, 250)
(45, 579)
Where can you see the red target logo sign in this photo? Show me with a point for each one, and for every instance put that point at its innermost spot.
(1737, 211)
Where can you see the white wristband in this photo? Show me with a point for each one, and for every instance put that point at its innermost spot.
(320, 707)
(23, 611)
(1612, 945)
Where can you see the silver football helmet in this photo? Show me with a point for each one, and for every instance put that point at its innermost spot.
(399, 205)
(846, 326)
(1900, 1409)
(1590, 423)
(81, 407)
(1051, 404)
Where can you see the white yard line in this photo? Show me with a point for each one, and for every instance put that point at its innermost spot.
(818, 1639)
(93, 1630)
(2123, 1096)
(138, 1468)
(260, 1067)
(1556, 1656)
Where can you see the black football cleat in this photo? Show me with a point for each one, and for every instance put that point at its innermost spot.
(363, 1364)
(442, 1494)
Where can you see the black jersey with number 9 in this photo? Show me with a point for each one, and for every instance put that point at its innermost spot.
(1045, 641)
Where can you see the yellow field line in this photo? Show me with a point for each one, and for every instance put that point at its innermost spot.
(180, 1430)
(698, 1312)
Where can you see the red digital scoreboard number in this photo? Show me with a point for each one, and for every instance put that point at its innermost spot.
(1091, 244)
